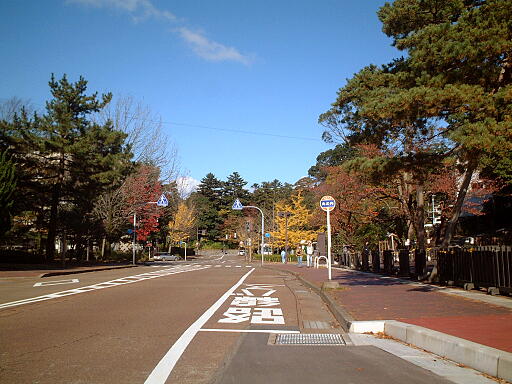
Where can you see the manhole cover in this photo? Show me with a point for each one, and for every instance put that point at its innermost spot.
(309, 339)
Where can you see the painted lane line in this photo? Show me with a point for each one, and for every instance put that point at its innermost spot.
(238, 266)
(107, 284)
(56, 282)
(248, 330)
(166, 365)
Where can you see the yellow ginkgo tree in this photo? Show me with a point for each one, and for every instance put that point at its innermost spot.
(299, 227)
(183, 223)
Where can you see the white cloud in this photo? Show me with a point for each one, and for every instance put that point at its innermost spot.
(140, 9)
(186, 185)
(144, 9)
(211, 50)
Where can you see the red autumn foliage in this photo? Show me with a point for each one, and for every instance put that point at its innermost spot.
(357, 201)
(142, 188)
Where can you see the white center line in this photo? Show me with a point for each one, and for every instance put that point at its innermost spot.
(103, 285)
(55, 282)
(248, 330)
(166, 365)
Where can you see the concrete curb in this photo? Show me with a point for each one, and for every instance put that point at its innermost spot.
(485, 359)
(62, 273)
(343, 317)
(480, 357)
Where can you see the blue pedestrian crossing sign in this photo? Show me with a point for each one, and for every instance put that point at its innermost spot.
(162, 201)
(237, 205)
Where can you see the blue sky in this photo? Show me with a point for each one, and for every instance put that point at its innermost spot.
(267, 67)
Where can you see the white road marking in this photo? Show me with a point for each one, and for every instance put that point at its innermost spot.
(248, 330)
(56, 282)
(106, 284)
(166, 365)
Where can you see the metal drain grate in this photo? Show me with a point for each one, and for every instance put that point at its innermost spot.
(309, 339)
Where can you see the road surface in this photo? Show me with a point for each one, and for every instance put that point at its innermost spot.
(213, 319)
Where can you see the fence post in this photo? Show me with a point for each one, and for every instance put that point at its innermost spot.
(403, 258)
(388, 261)
(420, 263)
(376, 261)
(364, 256)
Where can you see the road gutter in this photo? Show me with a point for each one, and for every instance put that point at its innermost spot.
(485, 359)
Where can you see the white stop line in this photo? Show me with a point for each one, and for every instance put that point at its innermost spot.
(106, 284)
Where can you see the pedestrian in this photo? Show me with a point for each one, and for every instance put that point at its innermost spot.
(299, 256)
(283, 256)
(309, 253)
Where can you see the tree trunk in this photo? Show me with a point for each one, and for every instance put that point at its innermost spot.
(452, 222)
(103, 249)
(420, 217)
(52, 225)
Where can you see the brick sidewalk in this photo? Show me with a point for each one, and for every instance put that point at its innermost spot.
(373, 297)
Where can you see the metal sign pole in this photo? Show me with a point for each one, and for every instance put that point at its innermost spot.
(134, 235)
(329, 243)
(327, 204)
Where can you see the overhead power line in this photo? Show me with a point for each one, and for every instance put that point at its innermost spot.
(240, 131)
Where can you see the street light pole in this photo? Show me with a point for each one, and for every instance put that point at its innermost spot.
(162, 202)
(262, 230)
(237, 205)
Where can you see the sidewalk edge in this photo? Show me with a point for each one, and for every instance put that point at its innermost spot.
(477, 356)
(485, 359)
(343, 317)
(62, 273)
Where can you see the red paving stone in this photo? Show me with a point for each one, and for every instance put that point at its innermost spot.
(491, 330)
(372, 297)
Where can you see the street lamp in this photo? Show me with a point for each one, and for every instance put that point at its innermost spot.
(162, 202)
(238, 206)
(286, 215)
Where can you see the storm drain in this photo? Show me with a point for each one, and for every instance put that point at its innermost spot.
(309, 339)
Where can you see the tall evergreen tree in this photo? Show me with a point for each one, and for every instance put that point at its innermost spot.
(7, 188)
(234, 188)
(65, 159)
(449, 100)
(208, 202)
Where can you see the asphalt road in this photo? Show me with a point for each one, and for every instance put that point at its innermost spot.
(210, 320)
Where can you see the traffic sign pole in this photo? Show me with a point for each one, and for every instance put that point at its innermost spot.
(329, 243)
(327, 204)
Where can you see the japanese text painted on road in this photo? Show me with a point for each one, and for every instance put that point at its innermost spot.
(256, 305)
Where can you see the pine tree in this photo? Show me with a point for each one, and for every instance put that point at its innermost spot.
(448, 100)
(7, 188)
(65, 160)
(208, 202)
